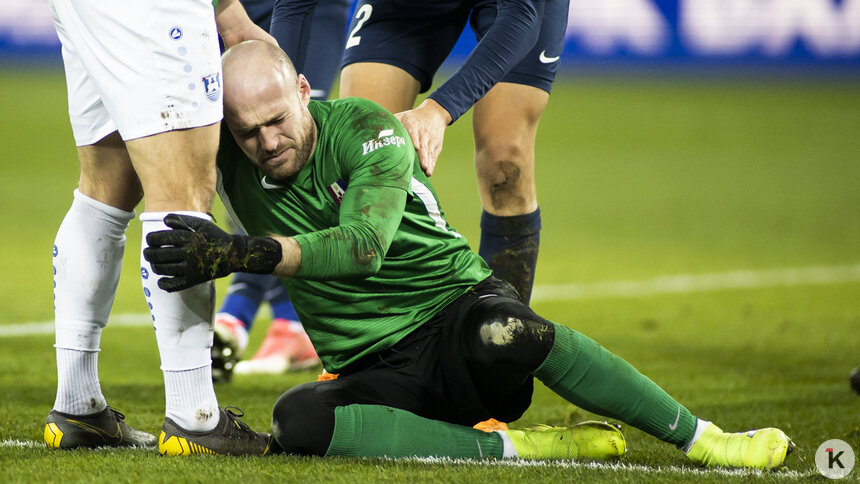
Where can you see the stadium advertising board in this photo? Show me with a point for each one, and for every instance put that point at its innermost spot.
(687, 31)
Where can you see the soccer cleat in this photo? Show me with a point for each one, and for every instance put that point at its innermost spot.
(757, 449)
(103, 429)
(227, 344)
(286, 347)
(230, 437)
(586, 440)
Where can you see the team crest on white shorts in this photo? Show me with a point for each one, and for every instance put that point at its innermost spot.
(212, 86)
(175, 33)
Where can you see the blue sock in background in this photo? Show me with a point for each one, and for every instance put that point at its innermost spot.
(279, 300)
(244, 296)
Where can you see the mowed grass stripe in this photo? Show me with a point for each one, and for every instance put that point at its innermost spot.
(688, 283)
(668, 284)
(47, 327)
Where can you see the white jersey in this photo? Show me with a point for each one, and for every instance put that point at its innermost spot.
(139, 67)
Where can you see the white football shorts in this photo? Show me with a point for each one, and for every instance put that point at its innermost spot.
(139, 67)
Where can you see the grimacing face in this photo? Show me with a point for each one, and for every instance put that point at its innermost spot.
(273, 127)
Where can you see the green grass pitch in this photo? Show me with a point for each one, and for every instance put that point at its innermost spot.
(638, 177)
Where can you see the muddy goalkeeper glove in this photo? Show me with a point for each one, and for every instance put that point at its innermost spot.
(197, 250)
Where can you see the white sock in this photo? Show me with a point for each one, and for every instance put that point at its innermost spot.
(191, 399)
(78, 391)
(183, 330)
(508, 449)
(87, 262)
(700, 429)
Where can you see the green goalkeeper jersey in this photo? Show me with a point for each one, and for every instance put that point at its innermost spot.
(374, 267)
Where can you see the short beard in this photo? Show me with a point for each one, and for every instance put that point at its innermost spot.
(304, 147)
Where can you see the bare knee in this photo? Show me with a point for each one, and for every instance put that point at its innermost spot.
(177, 168)
(107, 174)
(119, 190)
(506, 180)
(504, 163)
(505, 122)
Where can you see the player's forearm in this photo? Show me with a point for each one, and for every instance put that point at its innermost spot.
(335, 253)
(341, 252)
(235, 26)
(511, 37)
(291, 257)
(369, 218)
(434, 112)
(196, 250)
(231, 19)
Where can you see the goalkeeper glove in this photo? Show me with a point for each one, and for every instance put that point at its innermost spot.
(197, 250)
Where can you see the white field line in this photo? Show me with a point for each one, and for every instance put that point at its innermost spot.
(47, 327)
(40, 444)
(561, 464)
(675, 284)
(28, 444)
(621, 467)
(689, 283)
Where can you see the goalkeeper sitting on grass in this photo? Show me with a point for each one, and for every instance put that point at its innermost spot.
(426, 341)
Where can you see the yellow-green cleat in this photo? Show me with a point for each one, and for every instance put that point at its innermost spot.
(586, 440)
(755, 449)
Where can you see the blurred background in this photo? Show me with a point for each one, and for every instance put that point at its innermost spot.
(698, 171)
(799, 33)
(681, 137)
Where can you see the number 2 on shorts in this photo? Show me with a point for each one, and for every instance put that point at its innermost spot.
(362, 14)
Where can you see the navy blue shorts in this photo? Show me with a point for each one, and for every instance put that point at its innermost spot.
(418, 36)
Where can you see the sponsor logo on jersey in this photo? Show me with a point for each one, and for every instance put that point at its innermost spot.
(386, 137)
(175, 33)
(212, 86)
(336, 190)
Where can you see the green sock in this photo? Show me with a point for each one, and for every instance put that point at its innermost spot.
(592, 378)
(379, 431)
